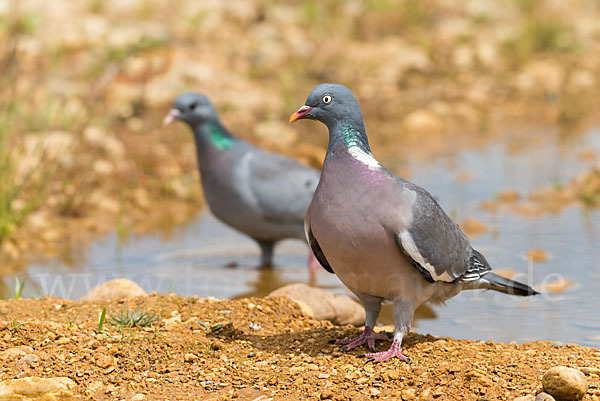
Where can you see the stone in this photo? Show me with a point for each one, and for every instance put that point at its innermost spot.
(564, 383)
(103, 361)
(525, 398)
(16, 352)
(306, 310)
(544, 397)
(37, 388)
(138, 397)
(114, 290)
(29, 360)
(339, 309)
(409, 394)
(190, 357)
(588, 370)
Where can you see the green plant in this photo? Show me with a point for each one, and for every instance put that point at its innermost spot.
(101, 319)
(123, 336)
(170, 288)
(15, 326)
(19, 285)
(136, 318)
(71, 320)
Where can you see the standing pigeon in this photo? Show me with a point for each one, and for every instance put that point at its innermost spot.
(261, 194)
(385, 238)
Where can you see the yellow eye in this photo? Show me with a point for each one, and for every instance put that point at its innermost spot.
(327, 99)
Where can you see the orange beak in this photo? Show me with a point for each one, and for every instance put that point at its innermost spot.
(302, 111)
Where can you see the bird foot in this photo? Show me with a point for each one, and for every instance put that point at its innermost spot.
(368, 336)
(394, 351)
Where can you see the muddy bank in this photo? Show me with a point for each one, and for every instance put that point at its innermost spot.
(188, 348)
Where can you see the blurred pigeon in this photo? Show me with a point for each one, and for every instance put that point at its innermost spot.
(261, 194)
(385, 238)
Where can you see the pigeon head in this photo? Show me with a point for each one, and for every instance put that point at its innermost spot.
(193, 109)
(330, 104)
(337, 108)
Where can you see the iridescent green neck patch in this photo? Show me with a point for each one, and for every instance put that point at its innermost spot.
(351, 136)
(221, 140)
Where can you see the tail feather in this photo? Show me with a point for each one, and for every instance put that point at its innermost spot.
(498, 283)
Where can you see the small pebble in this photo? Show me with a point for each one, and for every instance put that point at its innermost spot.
(251, 355)
(544, 397)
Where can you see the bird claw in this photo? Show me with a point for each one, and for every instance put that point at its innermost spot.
(394, 351)
(368, 336)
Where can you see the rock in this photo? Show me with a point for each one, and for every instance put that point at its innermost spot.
(339, 309)
(36, 388)
(590, 371)
(565, 384)
(409, 394)
(15, 352)
(114, 290)
(544, 397)
(306, 310)
(190, 357)
(138, 397)
(95, 387)
(29, 360)
(525, 398)
(104, 361)
(347, 311)
(327, 394)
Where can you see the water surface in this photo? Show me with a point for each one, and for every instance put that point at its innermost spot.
(197, 259)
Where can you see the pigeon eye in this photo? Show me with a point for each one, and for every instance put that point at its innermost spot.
(327, 99)
(193, 105)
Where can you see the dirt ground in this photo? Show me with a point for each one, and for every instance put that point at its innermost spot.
(256, 349)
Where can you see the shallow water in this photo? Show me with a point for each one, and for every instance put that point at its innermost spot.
(193, 261)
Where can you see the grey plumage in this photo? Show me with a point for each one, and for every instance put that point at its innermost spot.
(385, 238)
(259, 193)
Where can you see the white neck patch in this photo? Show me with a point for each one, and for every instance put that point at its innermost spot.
(364, 157)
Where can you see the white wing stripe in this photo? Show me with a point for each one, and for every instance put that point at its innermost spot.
(411, 249)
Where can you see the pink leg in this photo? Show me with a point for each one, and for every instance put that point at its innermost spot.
(368, 336)
(313, 264)
(394, 351)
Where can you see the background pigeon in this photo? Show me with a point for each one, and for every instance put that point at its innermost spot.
(261, 194)
(385, 238)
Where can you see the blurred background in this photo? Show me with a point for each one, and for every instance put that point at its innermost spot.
(492, 105)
